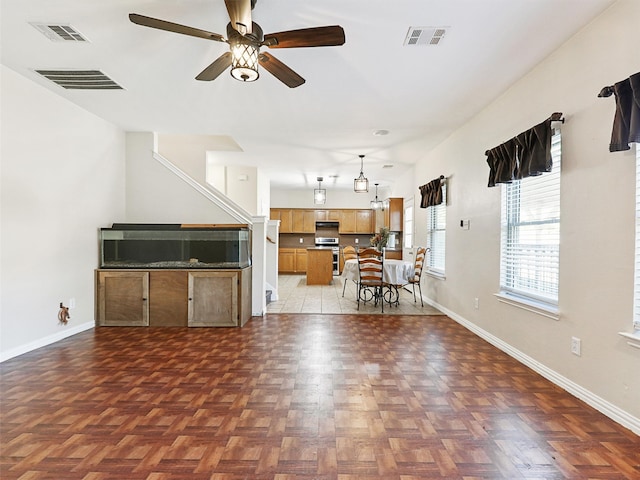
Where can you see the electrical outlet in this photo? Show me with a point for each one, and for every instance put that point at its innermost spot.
(301, 240)
(72, 303)
(576, 346)
(357, 240)
(476, 303)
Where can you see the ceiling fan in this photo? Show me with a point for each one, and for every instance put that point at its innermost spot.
(245, 39)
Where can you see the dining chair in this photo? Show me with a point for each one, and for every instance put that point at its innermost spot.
(417, 272)
(370, 268)
(348, 253)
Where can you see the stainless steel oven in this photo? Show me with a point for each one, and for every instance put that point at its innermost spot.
(334, 244)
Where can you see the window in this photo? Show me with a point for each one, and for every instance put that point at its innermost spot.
(530, 235)
(436, 230)
(636, 296)
(407, 234)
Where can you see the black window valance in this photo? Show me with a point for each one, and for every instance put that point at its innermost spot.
(626, 122)
(525, 155)
(431, 192)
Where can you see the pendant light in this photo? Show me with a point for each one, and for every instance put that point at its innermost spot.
(361, 184)
(319, 194)
(376, 204)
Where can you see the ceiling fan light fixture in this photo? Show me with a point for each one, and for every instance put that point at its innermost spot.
(244, 61)
(361, 184)
(319, 194)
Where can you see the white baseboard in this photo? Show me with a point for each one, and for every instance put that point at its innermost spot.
(610, 410)
(48, 340)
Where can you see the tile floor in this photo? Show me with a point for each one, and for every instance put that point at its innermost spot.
(295, 296)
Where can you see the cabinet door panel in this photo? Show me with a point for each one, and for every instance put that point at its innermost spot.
(285, 221)
(168, 291)
(301, 260)
(286, 260)
(347, 221)
(213, 299)
(364, 223)
(123, 299)
(297, 221)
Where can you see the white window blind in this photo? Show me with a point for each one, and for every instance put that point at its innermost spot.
(408, 223)
(636, 296)
(530, 236)
(436, 233)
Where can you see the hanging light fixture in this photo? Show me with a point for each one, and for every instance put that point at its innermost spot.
(361, 184)
(376, 204)
(319, 194)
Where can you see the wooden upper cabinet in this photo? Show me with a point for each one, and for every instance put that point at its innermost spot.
(364, 221)
(285, 217)
(347, 221)
(356, 221)
(393, 214)
(303, 221)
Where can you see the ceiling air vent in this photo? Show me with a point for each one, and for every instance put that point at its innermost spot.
(59, 33)
(80, 79)
(425, 35)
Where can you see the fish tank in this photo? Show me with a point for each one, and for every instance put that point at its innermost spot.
(175, 246)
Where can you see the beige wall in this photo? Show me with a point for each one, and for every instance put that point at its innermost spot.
(62, 178)
(597, 222)
(155, 195)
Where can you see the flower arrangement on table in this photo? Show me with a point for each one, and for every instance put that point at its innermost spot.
(380, 239)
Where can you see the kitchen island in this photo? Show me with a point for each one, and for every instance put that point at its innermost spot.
(319, 266)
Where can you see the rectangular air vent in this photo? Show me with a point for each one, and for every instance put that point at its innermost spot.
(59, 33)
(425, 35)
(80, 79)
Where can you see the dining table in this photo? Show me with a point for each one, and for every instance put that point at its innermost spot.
(395, 273)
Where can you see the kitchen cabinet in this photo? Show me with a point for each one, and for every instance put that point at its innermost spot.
(393, 254)
(285, 217)
(292, 260)
(303, 221)
(327, 215)
(301, 260)
(393, 214)
(356, 221)
(286, 260)
(364, 221)
(180, 297)
(320, 266)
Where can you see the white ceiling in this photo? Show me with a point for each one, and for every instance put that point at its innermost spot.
(420, 94)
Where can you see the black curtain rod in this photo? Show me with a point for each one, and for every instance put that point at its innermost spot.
(556, 117)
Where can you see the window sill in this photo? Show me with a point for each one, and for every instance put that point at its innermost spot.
(540, 308)
(634, 337)
(438, 275)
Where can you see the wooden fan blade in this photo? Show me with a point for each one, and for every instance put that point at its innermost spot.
(216, 68)
(174, 27)
(306, 37)
(240, 15)
(279, 70)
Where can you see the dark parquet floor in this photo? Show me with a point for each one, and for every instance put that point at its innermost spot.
(297, 397)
